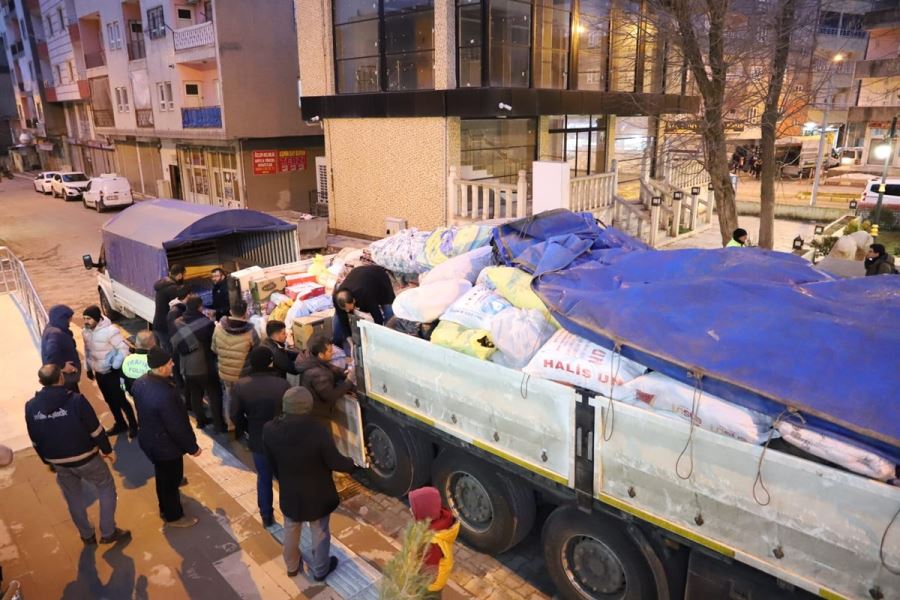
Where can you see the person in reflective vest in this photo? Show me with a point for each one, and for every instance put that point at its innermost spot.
(135, 364)
(738, 239)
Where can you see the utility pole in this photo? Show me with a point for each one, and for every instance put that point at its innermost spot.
(884, 170)
(837, 58)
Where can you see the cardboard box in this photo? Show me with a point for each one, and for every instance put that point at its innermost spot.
(298, 278)
(244, 276)
(262, 288)
(304, 291)
(306, 327)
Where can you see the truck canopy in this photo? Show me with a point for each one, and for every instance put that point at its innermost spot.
(137, 240)
(763, 329)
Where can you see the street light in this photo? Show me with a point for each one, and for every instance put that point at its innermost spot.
(882, 151)
(829, 100)
(885, 152)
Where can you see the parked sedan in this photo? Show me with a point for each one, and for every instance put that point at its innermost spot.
(69, 185)
(43, 181)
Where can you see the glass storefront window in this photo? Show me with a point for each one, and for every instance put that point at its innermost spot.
(593, 44)
(497, 148)
(633, 140)
(579, 140)
(469, 29)
(510, 43)
(553, 19)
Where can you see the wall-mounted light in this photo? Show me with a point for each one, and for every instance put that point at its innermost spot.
(655, 201)
(820, 229)
(504, 106)
(853, 204)
(709, 186)
(798, 243)
(678, 195)
(695, 190)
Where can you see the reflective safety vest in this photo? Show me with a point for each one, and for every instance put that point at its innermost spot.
(734, 244)
(135, 365)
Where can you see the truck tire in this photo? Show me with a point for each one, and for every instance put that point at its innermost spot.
(495, 511)
(400, 460)
(107, 308)
(591, 557)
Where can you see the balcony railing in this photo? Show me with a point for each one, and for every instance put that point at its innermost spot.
(144, 117)
(201, 118)
(195, 36)
(103, 118)
(136, 49)
(95, 59)
(843, 32)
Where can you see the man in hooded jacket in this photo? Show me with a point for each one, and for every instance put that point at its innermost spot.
(165, 291)
(58, 345)
(878, 261)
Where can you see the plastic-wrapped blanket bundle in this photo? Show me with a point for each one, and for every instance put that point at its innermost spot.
(400, 252)
(476, 309)
(465, 266)
(839, 450)
(446, 242)
(518, 334)
(426, 303)
(474, 342)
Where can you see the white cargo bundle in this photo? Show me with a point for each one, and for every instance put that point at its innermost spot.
(426, 303)
(518, 334)
(465, 266)
(476, 309)
(849, 456)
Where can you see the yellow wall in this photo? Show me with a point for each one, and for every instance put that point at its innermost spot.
(389, 168)
(314, 40)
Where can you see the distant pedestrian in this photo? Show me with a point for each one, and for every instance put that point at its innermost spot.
(165, 435)
(276, 338)
(366, 288)
(425, 504)
(166, 291)
(220, 303)
(257, 400)
(738, 239)
(878, 261)
(326, 382)
(303, 456)
(66, 434)
(135, 364)
(58, 345)
(192, 342)
(104, 353)
(232, 342)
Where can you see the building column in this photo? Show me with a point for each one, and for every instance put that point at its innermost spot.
(445, 44)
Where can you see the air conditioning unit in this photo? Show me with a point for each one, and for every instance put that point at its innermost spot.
(394, 225)
(321, 180)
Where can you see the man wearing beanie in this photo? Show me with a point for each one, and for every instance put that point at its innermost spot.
(58, 345)
(303, 456)
(104, 353)
(256, 400)
(165, 435)
(738, 239)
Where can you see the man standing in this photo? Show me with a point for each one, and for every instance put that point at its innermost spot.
(326, 382)
(104, 353)
(135, 364)
(165, 435)
(58, 345)
(367, 288)
(165, 290)
(257, 400)
(192, 342)
(66, 434)
(284, 359)
(220, 301)
(232, 341)
(303, 456)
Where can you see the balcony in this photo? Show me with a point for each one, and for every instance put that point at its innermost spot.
(195, 43)
(144, 117)
(103, 118)
(842, 32)
(205, 117)
(883, 67)
(136, 49)
(95, 59)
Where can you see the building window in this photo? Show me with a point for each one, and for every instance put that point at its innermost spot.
(60, 16)
(469, 43)
(553, 20)
(122, 99)
(499, 148)
(593, 44)
(50, 26)
(752, 113)
(164, 92)
(580, 140)
(207, 11)
(59, 79)
(156, 23)
(114, 35)
(384, 45)
(70, 66)
(510, 43)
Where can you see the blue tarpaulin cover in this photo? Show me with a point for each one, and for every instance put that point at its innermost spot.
(136, 239)
(763, 329)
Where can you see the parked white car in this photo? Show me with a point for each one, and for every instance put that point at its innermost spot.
(68, 185)
(107, 191)
(890, 199)
(43, 180)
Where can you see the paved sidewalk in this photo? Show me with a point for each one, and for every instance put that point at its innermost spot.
(20, 360)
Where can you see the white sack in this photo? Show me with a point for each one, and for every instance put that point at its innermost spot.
(476, 309)
(849, 456)
(570, 359)
(669, 396)
(426, 303)
(518, 334)
(464, 266)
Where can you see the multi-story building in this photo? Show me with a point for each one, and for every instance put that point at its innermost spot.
(9, 117)
(410, 92)
(198, 100)
(878, 75)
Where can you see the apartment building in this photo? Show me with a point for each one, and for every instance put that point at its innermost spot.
(9, 117)
(411, 91)
(189, 99)
(878, 77)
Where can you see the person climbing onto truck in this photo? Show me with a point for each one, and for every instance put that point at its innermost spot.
(326, 382)
(366, 288)
(165, 292)
(425, 504)
(878, 261)
(738, 239)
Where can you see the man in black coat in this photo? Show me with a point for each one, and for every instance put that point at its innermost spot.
(303, 456)
(366, 288)
(256, 400)
(326, 382)
(220, 302)
(283, 359)
(192, 342)
(165, 292)
(58, 345)
(165, 435)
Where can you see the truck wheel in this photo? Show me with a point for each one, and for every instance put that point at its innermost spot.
(495, 511)
(593, 558)
(399, 460)
(107, 308)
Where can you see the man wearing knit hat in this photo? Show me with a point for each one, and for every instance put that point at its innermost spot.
(303, 456)
(256, 400)
(165, 435)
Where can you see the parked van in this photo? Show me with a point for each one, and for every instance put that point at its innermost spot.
(107, 191)
(890, 200)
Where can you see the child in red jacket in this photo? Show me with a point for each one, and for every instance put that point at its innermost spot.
(425, 503)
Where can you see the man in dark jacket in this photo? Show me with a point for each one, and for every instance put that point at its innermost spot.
(256, 401)
(165, 290)
(303, 456)
(284, 360)
(326, 382)
(192, 342)
(366, 288)
(220, 302)
(58, 345)
(165, 435)
(878, 261)
(66, 434)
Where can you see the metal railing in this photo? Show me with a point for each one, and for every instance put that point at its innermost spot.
(144, 117)
(842, 31)
(195, 36)
(103, 118)
(14, 280)
(136, 49)
(485, 199)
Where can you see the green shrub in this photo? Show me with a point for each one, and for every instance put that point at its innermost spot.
(403, 578)
(852, 227)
